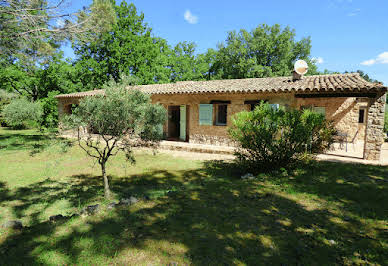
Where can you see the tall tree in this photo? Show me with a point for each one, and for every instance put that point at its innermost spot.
(128, 48)
(205, 64)
(264, 52)
(26, 24)
(35, 82)
(183, 62)
(31, 33)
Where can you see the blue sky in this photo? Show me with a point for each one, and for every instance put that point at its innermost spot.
(346, 34)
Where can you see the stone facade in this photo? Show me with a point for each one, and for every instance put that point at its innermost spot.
(214, 134)
(343, 111)
(64, 107)
(374, 130)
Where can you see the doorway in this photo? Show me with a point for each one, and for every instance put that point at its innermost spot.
(177, 123)
(174, 118)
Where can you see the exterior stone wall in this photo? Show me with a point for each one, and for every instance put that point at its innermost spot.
(374, 136)
(344, 112)
(214, 134)
(64, 107)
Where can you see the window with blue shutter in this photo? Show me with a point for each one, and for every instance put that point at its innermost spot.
(206, 114)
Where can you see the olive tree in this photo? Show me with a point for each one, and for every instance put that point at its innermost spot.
(119, 120)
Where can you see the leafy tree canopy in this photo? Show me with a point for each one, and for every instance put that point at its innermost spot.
(127, 48)
(33, 27)
(266, 51)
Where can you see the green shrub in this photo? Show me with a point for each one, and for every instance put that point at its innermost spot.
(50, 110)
(5, 98)
(269, 138)
(21, 113)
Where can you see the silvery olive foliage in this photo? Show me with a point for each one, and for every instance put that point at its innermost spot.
(22, 113)
(119, 120)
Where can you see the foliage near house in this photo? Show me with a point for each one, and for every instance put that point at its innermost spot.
(269, 138)
(21, 113)
(266, 51)
(117, 121)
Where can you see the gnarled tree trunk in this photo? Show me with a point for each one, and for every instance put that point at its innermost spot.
(106, 182)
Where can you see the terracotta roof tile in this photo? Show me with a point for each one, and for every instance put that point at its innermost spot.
(330, 83)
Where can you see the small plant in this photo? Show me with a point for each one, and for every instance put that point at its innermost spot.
(21, 113)
(271, 138)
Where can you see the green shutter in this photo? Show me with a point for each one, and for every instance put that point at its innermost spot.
(206, 114)
(182, 129)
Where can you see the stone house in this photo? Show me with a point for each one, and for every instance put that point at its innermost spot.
(201, 111)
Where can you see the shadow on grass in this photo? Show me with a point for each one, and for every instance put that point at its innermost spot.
(217, 217)
(4, 192)
(34, 142)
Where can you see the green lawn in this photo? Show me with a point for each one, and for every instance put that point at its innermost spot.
(323, 213)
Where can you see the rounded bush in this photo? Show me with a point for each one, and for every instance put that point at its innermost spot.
(21, 113)
(270, 138)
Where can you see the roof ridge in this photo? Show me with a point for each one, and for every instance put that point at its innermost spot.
(252, 78)
(327, 82)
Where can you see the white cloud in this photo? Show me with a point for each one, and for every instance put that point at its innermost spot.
(190, 18)
(60, 22)
(354, 12)
(318, 60)
(381, 59)
(368, 62)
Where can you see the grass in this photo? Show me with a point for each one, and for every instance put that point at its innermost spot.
(199, 213)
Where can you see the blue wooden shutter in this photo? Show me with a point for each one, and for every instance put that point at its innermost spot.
(206, 114)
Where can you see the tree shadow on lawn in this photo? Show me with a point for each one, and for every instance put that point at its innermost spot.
(218, 218)
(4, 192)
(35, 143)
(360, 189)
